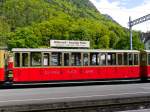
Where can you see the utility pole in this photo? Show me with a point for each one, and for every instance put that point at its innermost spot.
(130, 28)
(135, 22)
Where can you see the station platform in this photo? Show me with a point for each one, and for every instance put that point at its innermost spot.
(73, 97)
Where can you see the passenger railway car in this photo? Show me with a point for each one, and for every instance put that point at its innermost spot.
(145, 64)
(34, 65)
(50, 65)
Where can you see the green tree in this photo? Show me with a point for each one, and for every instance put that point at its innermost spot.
(24, 12)
(104, 42)
(23, 38)
(4, 26)
(32, 23)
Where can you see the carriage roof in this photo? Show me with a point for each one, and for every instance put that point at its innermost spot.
(70, 50)
(148, 51)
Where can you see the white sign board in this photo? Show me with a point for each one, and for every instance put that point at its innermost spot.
(69, 43)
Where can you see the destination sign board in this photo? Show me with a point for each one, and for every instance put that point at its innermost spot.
(69, 43)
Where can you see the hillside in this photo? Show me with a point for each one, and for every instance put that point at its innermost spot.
(32, 23)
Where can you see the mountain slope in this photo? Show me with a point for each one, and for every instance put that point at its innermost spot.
(32, 23)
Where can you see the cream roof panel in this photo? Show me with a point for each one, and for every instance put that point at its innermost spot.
(69, 50)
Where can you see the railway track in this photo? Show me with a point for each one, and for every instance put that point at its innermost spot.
(93, 108)
(109, 108)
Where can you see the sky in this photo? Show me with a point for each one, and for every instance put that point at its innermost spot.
(120, 10)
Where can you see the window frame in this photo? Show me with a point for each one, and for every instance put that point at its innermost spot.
(28, 61)
(49, 54)
(138, 62)
(111, 59)
(122, 59)
(76, 60)
(39, 58)
(19, 65)
(59, 60)
(100, 59)
(96, 58)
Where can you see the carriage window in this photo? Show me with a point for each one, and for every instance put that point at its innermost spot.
(46, 59)
(25, 59)
(66, 59)
(136, 59)
(125, 59)
(93, 59)
(120, 57)
(111, 57)
(149, 59)
(36, 59)
(103, 59)
(56, 59)
(85, 59)
(130, 59)
(76, 59)
(17, 59)
(143, 59)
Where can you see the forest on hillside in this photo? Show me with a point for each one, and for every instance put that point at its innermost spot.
(32, 23)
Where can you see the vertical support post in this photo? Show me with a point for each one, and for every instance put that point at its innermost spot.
(139, 59)
(62, 59)
(42, 59)
(106, 59)
(29, 60)
(123, 59)
(70, 59)
(132, 58)
(50, 64)
(20, 59)
(99, 56)
(81, 58)
(89, 60)
(117, 58)
(130, 28)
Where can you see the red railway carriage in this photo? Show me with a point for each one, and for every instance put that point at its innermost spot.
(40, 65)
(145, 64)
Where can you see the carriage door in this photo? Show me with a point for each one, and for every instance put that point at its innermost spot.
(143, 65)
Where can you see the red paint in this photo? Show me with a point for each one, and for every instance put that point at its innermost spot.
(2, 74)
(10, 65)
(75, 73)
(146, 71)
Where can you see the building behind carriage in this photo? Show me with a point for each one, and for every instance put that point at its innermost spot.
(145, 38)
